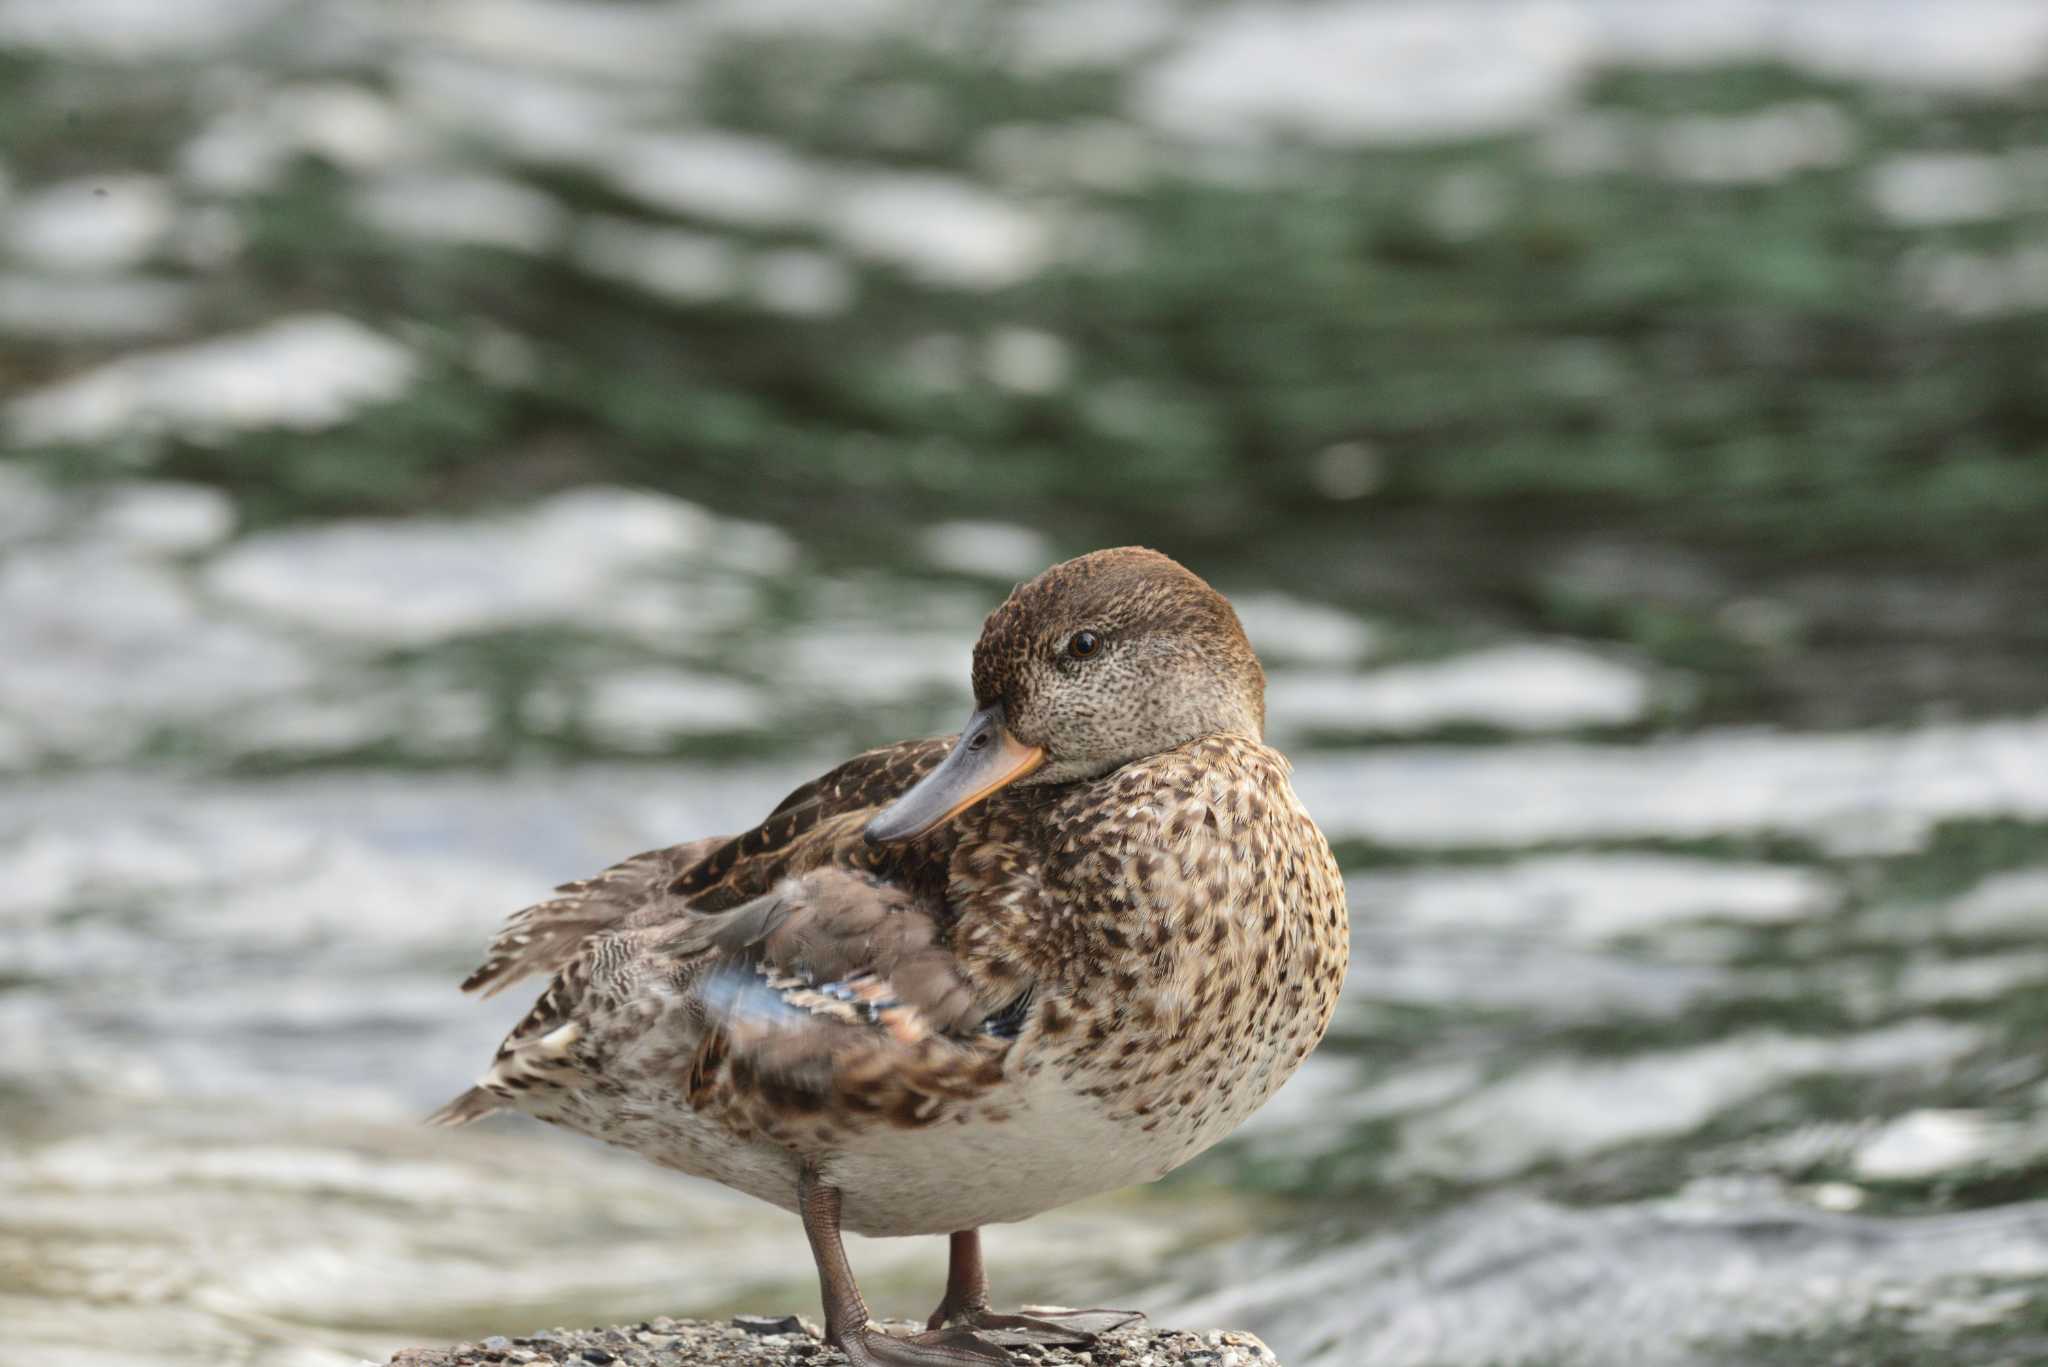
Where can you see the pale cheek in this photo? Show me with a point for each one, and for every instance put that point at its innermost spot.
(1117, 708)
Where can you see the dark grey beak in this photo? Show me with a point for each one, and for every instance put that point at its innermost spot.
(985, 758)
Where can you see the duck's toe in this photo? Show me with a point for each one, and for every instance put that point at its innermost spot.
(955, 1347)
(1047, 1325)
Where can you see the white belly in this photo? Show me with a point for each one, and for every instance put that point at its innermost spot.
(1034, 1142)
(662, 1131)
(1042, 1147)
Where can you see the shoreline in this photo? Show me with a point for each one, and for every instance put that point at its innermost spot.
(791, 1341)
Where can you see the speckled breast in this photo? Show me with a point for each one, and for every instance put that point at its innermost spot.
(1187, 923)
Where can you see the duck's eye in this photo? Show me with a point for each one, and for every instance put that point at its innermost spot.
(1082, 644)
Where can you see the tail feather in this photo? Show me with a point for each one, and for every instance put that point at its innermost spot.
(544, 938)
(474, 1104)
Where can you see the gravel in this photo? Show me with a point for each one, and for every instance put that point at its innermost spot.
(786, 1341)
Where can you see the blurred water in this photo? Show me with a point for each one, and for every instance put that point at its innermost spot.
(1583, 1044)
(1696, 1009)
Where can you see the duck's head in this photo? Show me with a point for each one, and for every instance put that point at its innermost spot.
(1109, 658)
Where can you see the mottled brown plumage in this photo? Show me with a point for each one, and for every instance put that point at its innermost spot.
(960, 981)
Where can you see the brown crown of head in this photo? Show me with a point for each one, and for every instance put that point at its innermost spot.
(1168, 662)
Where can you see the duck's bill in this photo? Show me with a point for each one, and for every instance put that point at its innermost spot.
(985, 758)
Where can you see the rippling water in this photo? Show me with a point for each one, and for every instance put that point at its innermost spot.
(1696, 1011)
(1651, 1050)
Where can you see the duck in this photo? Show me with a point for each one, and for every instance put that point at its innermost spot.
(960, 981)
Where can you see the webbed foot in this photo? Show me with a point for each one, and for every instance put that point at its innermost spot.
(955, 1347)
(1049, 1326)
(966, 1305)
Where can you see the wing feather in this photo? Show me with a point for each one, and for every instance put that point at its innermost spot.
(812, 965)
(547, 936)
(818, 816)
(708, 874)
(834, 994)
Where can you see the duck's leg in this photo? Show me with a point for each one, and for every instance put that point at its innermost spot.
(966, 1281)
(847, 1326)
(966, 1304)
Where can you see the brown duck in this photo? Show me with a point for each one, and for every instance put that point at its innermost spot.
(960, 981)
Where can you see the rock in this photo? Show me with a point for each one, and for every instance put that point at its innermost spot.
(765, 1324)
(787, 1341)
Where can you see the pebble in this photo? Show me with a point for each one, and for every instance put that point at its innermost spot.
(766, 1324)
(790, 1341)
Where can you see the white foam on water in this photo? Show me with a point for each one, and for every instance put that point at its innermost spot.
(2013, 902)
(95, 1165)
(1925, 188)
(18, 748)
(1761, 147)
(993, 550)
(1592, 142)
(414, 582)
(842, 18)
(294, 946)
(361, 1232)
(462, 209)
(55, 867)
(29, 507)
(133, 30)
(641, 525)
(533, 115)
(447, 720)
(1026, 360)
(1522, 972)
(1929, 978)
(1967, 44)
(868, 665)
(1567, 1110)
(247, 146)
(1282, 627)
(940, 229)
(626, 42)
(1063, 34)
(666, 614)
(97, 308)
(1926, 1143)
(111, 642)
(803, 283)
(1687, 1279)
(1962, 44)
(112, 647)
(936, 363)
(1094, 153)
(1874, 792)
(1977, 284)
(648, 708)
(672, 263)
(307, 371)
(348, 892)
(724, 176)
(1598, 897)
(1524, 687)
(1399, 70)
(159, 517)
(94, 223)
(1310, 1113)
(418, 580)
(1391, 70)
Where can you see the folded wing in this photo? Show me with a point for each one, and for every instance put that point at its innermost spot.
(793, 969)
